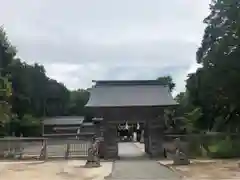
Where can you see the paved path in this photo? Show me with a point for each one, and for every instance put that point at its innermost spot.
(129, 150)
(144, 169)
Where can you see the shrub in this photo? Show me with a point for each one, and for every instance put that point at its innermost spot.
(226, 148)
(30, 126)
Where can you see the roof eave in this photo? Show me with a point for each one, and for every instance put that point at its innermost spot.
(129, 106)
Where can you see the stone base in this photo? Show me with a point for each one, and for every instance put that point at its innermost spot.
(111, 158)
(178, 161)
(92, 164)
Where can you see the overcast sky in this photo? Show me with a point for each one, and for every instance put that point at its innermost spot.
(83, 40)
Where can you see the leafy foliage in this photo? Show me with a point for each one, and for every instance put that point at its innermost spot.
(7, 51)
(215, 86)
(30, 126)
(225, 148)
(168, 81)
(191, 119)
(27, 94)
(34, 92)
(78, 99)
(5, 93)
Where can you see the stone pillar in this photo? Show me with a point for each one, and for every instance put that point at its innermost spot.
(110, 142)
(99, 130)
(146, 138)
(156, 137)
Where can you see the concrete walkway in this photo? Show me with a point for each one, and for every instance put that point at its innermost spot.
(135, 169)
(129, 150)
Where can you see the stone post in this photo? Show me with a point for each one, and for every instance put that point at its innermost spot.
(142, 137)
(67, 151)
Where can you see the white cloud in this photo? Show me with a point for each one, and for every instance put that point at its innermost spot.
(85, 40)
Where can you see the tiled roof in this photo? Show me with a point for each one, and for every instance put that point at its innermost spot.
(64, 120)
(129, 93)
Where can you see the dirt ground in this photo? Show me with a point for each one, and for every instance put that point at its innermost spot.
(205, 169)
(208, 169)
(74, 170)
(53, 170)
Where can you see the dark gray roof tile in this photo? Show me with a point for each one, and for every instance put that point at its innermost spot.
(64, 120)
(111, 95)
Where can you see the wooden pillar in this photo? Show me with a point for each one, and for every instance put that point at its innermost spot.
(99, 127)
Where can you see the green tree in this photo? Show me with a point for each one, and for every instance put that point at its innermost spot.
(32, 92)
(78, 99)
(180, 97)
(215, 87)
(5, 111)
(57, 99)
(7, 51)
(168, 81)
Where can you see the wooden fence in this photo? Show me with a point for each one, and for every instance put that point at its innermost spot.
(44, 148)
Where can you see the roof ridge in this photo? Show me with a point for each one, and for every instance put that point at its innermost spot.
(128, 82)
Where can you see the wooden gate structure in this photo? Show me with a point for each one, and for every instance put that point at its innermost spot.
(133, 101)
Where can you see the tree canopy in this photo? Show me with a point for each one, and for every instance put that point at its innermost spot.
(168, 81)
(215, 86)
(27, 94)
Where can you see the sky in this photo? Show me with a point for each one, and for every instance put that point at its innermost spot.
(79, 41)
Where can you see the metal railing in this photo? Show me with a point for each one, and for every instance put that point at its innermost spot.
(44, 148)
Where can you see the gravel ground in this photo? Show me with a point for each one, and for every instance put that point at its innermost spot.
(53, 170)
(74, 170)
(207, 169)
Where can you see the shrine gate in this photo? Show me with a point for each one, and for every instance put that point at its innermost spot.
(142, 101)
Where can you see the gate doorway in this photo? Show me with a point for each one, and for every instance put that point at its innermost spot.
(131, 140)
(130, 132)
(131, 143)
